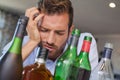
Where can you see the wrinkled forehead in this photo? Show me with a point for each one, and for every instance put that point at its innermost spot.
(56, 20)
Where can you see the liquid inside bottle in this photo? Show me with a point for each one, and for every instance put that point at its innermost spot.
(38, 70)
(81, 74)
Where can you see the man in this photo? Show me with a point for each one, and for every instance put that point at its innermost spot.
(51, 24)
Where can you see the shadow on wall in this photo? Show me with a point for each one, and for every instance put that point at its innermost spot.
(8, 23)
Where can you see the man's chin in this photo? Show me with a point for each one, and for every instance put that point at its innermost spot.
(52, 56)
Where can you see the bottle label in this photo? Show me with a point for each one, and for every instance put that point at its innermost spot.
(16, 47)
(86, 46)
(108, 53)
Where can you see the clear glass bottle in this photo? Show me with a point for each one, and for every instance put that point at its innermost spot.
(81, 68)
(11, 63)
(103, 71)
(38, 70)
(63, 63)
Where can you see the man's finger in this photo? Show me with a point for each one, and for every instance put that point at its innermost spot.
(38, 19)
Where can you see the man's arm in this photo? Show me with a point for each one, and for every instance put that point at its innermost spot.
(28, 48)
(32, 31)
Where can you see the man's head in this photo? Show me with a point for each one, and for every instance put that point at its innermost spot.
(51, 7)
(56, 25)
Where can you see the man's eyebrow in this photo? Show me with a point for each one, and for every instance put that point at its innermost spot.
(60, 30)
(43, 27)
(55, 30)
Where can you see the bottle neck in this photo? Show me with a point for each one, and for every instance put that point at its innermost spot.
(40, 60)
(83, 58)
(86, 46)
(20, 32)
(18, 35)
(84, 53)
(21, 27)
(42, 55)
(107, 53)
(74, 41)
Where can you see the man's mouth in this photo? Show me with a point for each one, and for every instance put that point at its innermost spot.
(50, 48)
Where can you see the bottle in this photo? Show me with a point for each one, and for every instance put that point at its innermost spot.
(38, 70)
(63, 63)
(11, 63)
(81, 68)
(103, 71)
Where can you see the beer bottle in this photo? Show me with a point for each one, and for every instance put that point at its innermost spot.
(63, 63)
(11, 63)
(81, 68)
(103, 71)
(38, 70)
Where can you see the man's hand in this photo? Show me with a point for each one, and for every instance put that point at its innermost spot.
(35, 20)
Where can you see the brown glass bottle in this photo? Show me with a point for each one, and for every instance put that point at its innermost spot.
(38, 70)
(11, 62)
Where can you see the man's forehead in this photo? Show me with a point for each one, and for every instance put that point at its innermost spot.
(55, 29)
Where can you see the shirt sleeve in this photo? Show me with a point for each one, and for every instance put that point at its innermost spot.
(93, 54)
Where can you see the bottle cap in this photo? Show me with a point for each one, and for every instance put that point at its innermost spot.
(109, 45)
(108, 48)
(76, 32)
(88, 38)
(24, 19)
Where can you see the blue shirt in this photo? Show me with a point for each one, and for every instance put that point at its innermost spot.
(93, 54)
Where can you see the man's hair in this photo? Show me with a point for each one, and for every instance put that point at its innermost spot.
(51, 7)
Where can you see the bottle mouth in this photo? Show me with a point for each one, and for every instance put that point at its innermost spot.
(108, 45)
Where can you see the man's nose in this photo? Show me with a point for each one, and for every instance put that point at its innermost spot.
(51, 38)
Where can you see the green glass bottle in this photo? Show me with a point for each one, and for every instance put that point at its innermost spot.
(11, 63)
(63, 63)
(81, 68)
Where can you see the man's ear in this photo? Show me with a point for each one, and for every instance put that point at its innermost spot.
(71, 29)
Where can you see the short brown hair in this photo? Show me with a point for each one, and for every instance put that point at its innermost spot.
(57, 7)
